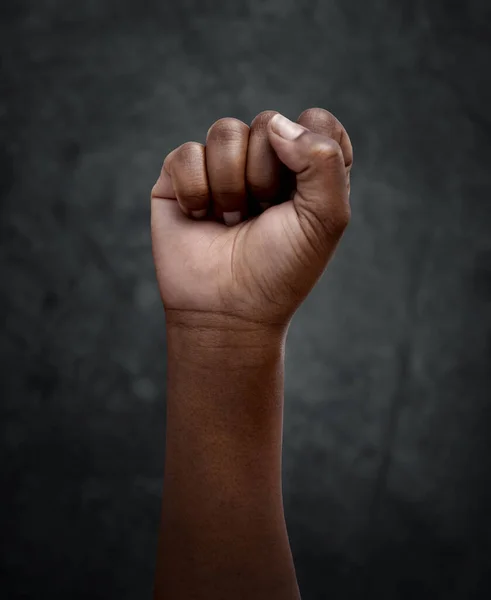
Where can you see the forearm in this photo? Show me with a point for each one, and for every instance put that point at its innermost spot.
(223, 531)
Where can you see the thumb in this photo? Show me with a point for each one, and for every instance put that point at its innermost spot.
(321, 200)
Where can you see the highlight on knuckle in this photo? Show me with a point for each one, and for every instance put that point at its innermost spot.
(327, 151)
(227, 128)
(262, 119)
(320, 115)
(190, 151)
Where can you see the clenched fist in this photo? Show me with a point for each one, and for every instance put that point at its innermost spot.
(244, 225)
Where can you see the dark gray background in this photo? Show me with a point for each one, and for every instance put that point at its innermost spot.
(387, 447)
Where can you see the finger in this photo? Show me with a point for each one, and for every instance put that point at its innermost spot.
(187, 169)
(163, 188)
(319, 120)
(226, 154)
(267, 178)
(321, 200)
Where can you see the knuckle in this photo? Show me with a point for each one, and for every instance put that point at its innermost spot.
(338, 220)
(327, 150)
(190, 152)
(319, 115)
(262, 119)
(227, 128)
(169, 159)
(320, 120)
(188, 172)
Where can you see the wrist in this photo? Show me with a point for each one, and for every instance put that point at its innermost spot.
(222, 341)
(225, 383)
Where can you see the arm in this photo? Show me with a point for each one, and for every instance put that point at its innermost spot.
(223, 532)
(232, 268)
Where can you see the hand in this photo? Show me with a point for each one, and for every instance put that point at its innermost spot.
(218, 248)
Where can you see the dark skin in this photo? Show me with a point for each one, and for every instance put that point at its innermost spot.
(242, 229)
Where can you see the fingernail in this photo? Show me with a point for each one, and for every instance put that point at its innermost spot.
(286, 128)
(231, 218)
(265, 205)
(198, 214)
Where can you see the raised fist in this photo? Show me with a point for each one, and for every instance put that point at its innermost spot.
(244, 226)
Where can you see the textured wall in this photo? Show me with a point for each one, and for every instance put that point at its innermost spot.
(387, 450)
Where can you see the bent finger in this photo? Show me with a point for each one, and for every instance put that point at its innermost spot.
(187, 168)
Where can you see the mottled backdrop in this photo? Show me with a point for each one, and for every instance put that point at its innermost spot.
(387, 447)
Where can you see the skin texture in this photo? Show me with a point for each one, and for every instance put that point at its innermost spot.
(229, 293)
